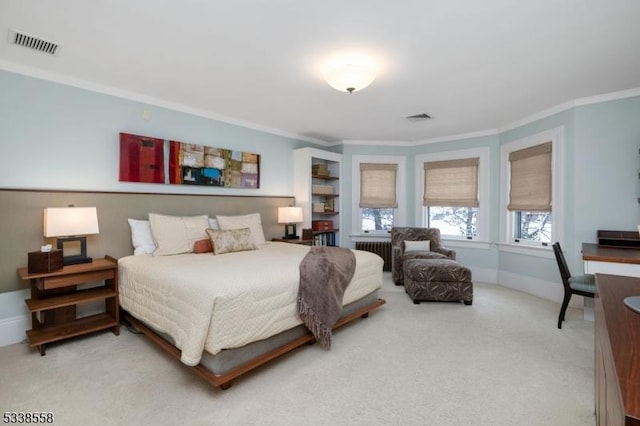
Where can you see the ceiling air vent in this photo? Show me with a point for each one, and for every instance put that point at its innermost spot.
(25, 40)
(419, 117)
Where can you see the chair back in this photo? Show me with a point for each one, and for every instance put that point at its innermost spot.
(562, 264)
(400, 234)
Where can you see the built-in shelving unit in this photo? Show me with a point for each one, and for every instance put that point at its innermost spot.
(317, 191)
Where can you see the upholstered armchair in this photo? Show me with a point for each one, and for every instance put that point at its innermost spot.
(401, 251)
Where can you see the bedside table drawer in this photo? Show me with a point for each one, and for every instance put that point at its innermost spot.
(49, 283)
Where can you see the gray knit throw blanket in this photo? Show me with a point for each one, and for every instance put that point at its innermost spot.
(325, 273)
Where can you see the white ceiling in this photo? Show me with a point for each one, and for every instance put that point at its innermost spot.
(472, 65)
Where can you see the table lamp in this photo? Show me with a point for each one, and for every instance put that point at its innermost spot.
(71, 224)
(289, 216)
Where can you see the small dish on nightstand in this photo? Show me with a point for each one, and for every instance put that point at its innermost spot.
(633, 303)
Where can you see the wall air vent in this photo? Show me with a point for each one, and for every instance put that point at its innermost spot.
(419, 117)
(25, 40)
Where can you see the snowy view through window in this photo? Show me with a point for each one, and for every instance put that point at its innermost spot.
(377, 220)
(455, 221)
(534, 226)
(462, 222)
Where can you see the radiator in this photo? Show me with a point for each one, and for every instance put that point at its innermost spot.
(381, 248)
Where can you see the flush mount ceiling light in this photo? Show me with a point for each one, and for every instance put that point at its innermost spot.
(350, 77)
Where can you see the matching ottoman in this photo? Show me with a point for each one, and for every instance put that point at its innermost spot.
(437, 279)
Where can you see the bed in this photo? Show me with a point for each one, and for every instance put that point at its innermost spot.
(225, 315)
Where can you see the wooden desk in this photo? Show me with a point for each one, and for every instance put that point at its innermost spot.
(610, 260)
(617, 352)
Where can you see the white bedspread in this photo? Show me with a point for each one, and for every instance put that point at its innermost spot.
(226, 301)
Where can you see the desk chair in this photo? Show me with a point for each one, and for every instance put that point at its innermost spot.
(583, 285)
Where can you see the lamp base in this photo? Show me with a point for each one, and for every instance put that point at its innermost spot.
(290, 232)
(76, 258)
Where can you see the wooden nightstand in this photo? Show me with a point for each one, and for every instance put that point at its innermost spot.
(54, 298)
(294, 241)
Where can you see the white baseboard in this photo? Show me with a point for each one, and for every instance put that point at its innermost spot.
(12, 330)
(484, 275)
(545, 289)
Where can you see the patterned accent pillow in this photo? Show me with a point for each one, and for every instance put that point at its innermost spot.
(231, 240)
(417, 245)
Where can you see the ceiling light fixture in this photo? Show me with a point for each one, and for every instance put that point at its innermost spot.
(350, 77)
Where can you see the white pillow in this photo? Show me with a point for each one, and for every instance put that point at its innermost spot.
(251, 221)
(177, 234)
(141, 237)
(417, 245)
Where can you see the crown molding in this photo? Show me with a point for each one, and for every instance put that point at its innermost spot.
(138, 97)
(461, 136)
(374, 142)
(606, 97)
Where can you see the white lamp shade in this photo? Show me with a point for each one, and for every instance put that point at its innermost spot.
(289, 214)
(70, 221)
(350, 78)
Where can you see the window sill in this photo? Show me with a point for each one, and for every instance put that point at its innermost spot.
(546, 252)
(364, 237)
(475, 244)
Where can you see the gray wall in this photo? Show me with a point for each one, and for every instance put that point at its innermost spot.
(22, 222)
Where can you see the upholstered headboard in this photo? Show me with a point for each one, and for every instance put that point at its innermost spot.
(22, 212)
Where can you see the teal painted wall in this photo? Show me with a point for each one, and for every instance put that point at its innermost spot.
(605, 168)
(54, 136)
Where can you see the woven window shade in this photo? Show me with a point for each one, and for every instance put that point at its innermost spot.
(378, 185)
(530, 186)
(451, 183)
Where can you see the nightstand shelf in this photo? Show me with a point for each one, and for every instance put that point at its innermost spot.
(78, 327)
(80, 296)
(54, 298)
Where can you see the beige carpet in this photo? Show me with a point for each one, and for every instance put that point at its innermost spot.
(501, 361)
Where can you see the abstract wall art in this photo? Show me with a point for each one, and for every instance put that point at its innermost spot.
(141, 159)
(191, 164)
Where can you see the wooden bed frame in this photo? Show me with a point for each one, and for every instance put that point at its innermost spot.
(224, 381)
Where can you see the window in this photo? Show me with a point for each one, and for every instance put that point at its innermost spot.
(454, 185)
(451, 196)
(377, 196)
(376, 219)
(531, 190)
(530, 193)
(454, 221)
